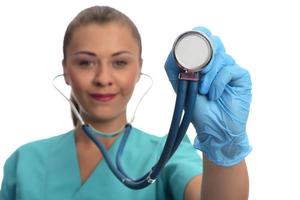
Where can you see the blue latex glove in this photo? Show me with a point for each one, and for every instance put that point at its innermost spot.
(222, 105)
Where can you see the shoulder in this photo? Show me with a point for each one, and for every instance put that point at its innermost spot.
(28, 163)
(143, 136)
(150, 143)
(155, 144)
(35, 150)
(38, 144)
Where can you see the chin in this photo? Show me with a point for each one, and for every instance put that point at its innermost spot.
(106, 117)
(102, 115)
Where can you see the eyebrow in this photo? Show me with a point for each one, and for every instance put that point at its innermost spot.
(85, 52)
(121, 52)
(93, 54)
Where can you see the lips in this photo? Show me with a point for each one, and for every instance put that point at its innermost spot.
(103, 97)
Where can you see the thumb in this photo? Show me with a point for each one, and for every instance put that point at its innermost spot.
(232, 75)
(171, 67)
(172, 70)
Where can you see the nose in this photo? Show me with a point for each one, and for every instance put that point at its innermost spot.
(103, 76)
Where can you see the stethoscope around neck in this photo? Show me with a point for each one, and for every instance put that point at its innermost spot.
(191, 51)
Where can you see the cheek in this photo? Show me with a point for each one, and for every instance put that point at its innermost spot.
(128, 85)
(77, 83)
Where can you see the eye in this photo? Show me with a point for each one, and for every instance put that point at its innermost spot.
(119, 63)
(85, 63)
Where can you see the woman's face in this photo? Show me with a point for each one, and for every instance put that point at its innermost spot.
(102, 66)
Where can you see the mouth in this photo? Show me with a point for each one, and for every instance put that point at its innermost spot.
(103, 97)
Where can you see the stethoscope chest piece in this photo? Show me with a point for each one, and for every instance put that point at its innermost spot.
(192, 51)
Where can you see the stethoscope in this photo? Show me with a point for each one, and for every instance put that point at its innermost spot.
(191, 51)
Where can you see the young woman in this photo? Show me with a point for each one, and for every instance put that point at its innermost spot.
(102, 63)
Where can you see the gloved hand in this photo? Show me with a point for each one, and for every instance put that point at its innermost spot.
(222, 105)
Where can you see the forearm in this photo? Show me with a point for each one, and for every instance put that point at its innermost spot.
(226, 183)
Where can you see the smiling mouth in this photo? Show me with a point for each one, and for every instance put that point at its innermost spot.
(103, 97)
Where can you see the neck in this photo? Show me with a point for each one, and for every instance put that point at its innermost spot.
(105, 126)
(109, 126)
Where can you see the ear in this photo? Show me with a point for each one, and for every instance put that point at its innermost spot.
(66, 73)
(141, 64)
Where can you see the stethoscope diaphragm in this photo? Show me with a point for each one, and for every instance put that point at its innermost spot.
(192, 51)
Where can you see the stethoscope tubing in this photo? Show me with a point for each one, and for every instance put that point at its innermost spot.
(89, 132)
(173, 131)
(170, 141)
(189, 110)
(186, 95)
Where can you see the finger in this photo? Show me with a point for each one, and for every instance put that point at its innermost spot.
(172, 71)
(222, 59)
(217, 44)
(218, 47)
(207, 78)
(171, 67)
(232, 75)
(203, 30)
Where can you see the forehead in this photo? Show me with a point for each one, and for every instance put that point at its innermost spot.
(107, 37)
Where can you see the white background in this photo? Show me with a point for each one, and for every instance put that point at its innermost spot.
(263, 36)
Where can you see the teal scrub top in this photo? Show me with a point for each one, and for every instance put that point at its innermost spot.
(48, 170)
